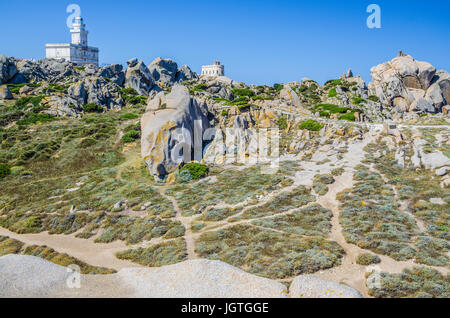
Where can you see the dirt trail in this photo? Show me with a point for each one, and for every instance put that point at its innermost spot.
(102, 255)
(187, 223)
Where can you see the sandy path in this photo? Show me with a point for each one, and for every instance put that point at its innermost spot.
(102, 255)
(187, 223)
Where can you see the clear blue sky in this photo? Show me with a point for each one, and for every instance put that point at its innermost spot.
(259, 42)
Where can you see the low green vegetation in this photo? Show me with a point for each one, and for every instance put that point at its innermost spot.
(283, 123)
(371, 219)
(131, 136)
(358, 100)
(332, 93)
(419, 282)
(268, 253)
(136, 229)
(93, 108)
(374, 98)
(348, 117)
(157, 255)
(200, 88)
(278, 87)
(131, 97)
(243, 92)
(63, 259)
(15, 88)
(129, 116)
(321, 182)
(231, 187)
(33, 118)
(286, 201)
(5, 170)
(311, 125)
(9, 246)
(313, 220)
(196, 170)
(366, 259)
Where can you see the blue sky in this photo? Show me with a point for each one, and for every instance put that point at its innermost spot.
(260, 42)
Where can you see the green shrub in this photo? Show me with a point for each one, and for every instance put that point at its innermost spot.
(131, 136)
(5, 170)
(331, 108)
(311, 125)
(243, 92)
(34, 118)
(358, 100)
(128, 91)
(24, 101)
(282, 123)
(367, 259)
(332, 92)
(278, 87)
(199, 88)
(197, 170)
(92, 108)
(374, 98)
(129, 116)
(224, 112)
(348, 117)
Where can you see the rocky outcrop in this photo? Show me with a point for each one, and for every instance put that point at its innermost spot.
(164, 71)
(7, 70)
(114, 73)
(96, 90)
(407, 85)
(138, 77)
(185, 74)
(162, 140)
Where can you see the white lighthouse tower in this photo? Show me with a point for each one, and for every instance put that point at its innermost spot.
(78, 51)
(79, 33)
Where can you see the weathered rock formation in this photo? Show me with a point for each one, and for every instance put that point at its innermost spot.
(164, 143)
(138, 77)
(408, 85)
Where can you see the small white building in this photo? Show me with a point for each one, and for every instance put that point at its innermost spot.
(78, 51)
(213, 70)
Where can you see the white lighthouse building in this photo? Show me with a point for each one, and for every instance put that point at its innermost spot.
(78, 51)
(213, 70)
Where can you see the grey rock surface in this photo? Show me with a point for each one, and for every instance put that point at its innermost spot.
(309, 286)
(138, 77)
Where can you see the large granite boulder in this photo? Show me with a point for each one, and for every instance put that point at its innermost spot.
(164, 71)
(139, 77)
(405, 84)
(161, 125)
(5, 93)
